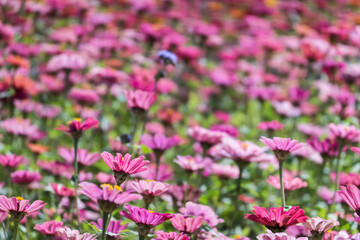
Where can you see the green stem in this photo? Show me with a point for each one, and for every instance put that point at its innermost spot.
(336, 179)
(105, 225)
(283, 202)
(16, 227)
(76, 180)
(157, 167)
(136, 122)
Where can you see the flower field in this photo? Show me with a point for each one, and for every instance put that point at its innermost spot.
(178, 120)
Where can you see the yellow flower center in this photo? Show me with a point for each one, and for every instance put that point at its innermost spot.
(236, 236)
(107, 185)
(244, 145)
(75, 119)
(190, 160)
(271, 3)
(19, 199)
(123, 159)
(117, 187)
(151, 211)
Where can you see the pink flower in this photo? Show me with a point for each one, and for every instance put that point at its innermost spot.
(18, 207)
(108, 197)
(139, 99)
(66, 61)
(144, 219)
(62, 191)
(225, 171)
(114, 228)
(11, 160)
(276, 219)
(345, 134)
(199, 210)
(83, 156)
(205, 136)
(226, 128)
(354, 149)
(318, 225)
(165, 172)
(144, 216)
(237, 150)
(152, 188)
(124, 166)
(84, 96)
(25, 177)
(48, 228)
(77, 127)
(159, 142)
(186, 225)
(270, 126)
(291, 183)
(282, 147)
(190, 163)
(327, 195)
(278, 236)
(22, 127)
(160, 235)
(351, 195)
(66, 233)
(327, 148)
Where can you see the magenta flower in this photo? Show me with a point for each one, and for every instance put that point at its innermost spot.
(84, 158)
(144, 219)
(11, 160)
(276, 219)
(48, 228)
(140, 100)
(108, 197)
(77, 127)
(17, 207)
(25, 177)
(319, 226)
(66, 233)
(186, 225)
(327, 148)
(354, 149)
(351, 195)
(114, 228)
(149, 189)
(282, 147)
(66, 61)
(22, 127)
(160, 235)
(124, 166)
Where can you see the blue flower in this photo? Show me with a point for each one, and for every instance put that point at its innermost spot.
(167, 57)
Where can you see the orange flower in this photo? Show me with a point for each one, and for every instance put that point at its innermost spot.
(37, 148)
(17, 61)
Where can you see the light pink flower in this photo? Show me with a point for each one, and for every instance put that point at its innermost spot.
(270, 126)
(83, 156)
(66, 61)
(278, 236)
(186, 225)
(114, 227)
(18, 207)
(160, 235)
(282, 147)
(345, 133)
(205, 136)
(190, 163)
(153, 188)
(199, 210)
(319, 225)
(65, 233)
(290, 183)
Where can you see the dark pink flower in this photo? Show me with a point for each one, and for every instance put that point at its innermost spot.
(124, 166)
(276, 219)
(160, 235)
(25, 177)
(83, 156)
(11, 160)
(77, 127)
(140, 100)
(351, 195)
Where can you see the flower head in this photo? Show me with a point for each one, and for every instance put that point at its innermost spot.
(48, 228)
(114, 228)
(149, 189)
(11, 160)
(17, 207)
(77, 126)
(319, 226)
(65, 233)
(167, 57)
(186, 225)
(140, 101)
(351, 195)
(124, 166)
(344, 134)
(278, 236)
(282, 147)
(108, 197)
(276, 219)
(160, 235)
